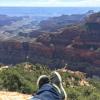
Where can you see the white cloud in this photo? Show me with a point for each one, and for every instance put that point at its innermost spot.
(51, 3)
(89, 3)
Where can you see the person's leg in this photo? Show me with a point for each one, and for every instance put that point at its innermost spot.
(46, 90)
(57, 82)
(50, 90)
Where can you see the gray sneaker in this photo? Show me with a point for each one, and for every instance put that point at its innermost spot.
(56, 81)
(43, 79)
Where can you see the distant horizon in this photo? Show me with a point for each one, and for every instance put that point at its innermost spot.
(46, 11)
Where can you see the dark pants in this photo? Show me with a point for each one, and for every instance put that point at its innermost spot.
(47, 92)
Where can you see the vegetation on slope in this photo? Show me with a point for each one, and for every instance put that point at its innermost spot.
(22, 78)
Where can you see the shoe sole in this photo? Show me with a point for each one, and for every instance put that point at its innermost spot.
(61, 85)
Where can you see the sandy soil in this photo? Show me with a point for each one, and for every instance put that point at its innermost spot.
(13, 96)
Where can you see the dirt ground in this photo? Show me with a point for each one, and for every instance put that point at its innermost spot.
(13, 96)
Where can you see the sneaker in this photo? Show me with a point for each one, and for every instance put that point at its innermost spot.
(56, 81)
(43, 79)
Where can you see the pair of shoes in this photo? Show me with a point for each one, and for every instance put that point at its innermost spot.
(56, 80)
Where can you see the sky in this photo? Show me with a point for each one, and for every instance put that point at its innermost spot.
(51, 3)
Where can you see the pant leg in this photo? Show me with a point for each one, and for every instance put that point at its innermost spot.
(34, 98)
(47, 92)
